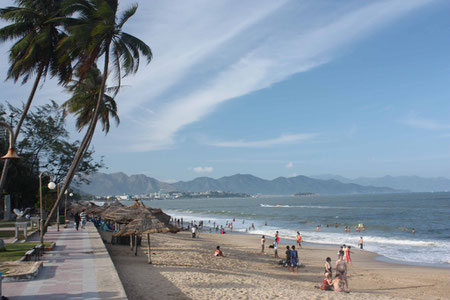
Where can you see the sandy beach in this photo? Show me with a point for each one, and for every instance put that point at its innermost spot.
(185, 268)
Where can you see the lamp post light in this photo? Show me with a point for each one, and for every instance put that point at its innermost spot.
(11, 152)
(51, 185)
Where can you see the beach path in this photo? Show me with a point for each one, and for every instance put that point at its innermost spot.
(79, 267)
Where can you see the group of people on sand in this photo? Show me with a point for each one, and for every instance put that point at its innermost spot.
(340, 282)
(291, 258)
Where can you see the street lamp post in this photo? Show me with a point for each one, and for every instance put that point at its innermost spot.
(11, 154)
(57, 211)
(51, 185)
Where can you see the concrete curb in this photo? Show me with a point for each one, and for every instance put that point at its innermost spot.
(105, 272)
(35, 267)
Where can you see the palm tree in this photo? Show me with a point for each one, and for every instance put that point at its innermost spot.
(84, 98)
(97, 32)
(35, 26)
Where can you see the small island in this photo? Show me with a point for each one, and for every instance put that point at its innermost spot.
(305, 194)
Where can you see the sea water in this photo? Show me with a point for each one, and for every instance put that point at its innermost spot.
(388, 219)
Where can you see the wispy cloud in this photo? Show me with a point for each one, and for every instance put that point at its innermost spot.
(416, 121)
(268, 49)
(290, 165)
(209, 52)
(203, 169)
(281, 140)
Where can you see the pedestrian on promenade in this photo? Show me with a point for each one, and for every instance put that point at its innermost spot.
(83, 217)
(77, 220)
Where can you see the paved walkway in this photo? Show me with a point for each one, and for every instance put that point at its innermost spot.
(79, 267)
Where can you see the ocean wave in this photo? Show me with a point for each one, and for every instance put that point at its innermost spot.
(306, 206)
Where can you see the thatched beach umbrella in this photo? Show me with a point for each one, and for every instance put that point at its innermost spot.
(93, 209)
(150, 221)
(111, 208)
(76, 208)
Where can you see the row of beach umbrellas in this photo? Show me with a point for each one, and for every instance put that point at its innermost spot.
(136, 220)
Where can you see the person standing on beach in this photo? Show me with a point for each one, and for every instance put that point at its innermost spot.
(328, 268)
(294, 259)
(194, 231)
(341, 269)
(361, 243)
(275, 248)
(288, 256)
(263, 241)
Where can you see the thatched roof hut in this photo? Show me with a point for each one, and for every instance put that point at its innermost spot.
(144, 221)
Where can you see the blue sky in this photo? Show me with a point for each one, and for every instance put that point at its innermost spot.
(281, 88)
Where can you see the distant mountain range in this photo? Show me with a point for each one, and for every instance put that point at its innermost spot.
(411, 183)
(102, 184)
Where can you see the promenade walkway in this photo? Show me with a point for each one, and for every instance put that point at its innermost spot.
(79, 267)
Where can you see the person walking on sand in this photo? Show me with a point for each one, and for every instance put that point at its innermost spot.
(299, 239)
(361, 243)
(194, 232)
(77, 220)
(294, 259)
(348, 260)
(263, 241)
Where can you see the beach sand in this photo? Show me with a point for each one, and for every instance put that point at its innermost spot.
(185, 268)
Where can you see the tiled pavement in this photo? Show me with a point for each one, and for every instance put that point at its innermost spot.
(79, 267)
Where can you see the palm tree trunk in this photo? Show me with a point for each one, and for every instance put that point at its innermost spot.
(135, 244)
(86, 141)
(148, 249)
(19, 125)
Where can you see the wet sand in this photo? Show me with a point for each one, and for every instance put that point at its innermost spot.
(185, 268)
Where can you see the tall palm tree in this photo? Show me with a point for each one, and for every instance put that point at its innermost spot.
(35, 25)
(94, 32)
(84, 98)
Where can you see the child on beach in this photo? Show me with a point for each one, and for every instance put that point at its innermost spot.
(327, 283)
(218, 252)
(338, 284)
(347, 255)
(361, 243)
(263, 241)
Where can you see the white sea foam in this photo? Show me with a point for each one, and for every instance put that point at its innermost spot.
(403, 249)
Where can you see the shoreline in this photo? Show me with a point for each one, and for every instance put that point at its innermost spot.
(377, 256)
(184, 268)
